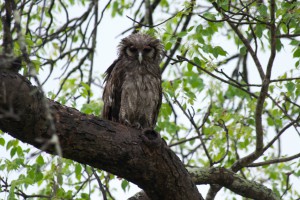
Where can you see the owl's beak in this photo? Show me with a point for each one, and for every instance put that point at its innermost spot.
(140, 58)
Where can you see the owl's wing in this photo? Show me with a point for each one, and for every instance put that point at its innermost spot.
(109, 70)
(159, 103)
(112, 91)
(156, 109)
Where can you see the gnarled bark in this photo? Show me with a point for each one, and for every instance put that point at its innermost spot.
(140, 157)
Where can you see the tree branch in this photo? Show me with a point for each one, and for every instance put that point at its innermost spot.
(274, 161)
(178, 41)
(233, 182)
(244, 40)
(140, 157)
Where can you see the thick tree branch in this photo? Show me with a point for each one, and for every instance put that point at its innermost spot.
(259, 146)
(233, 182)
(141, 157)
(261, 100)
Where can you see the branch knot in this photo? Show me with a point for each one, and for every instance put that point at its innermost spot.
(150, 137)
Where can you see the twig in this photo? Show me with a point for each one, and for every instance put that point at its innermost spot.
(155, 25)
(191, 119)
(100, 184)
(178, 41)
(287, 186)
(244, 40)
(94, 42)
(180, 58)
(274, 161)
(221, 123)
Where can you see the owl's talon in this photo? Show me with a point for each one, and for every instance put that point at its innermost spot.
(138, 125)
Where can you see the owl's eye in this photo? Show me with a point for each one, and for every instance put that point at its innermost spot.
(132, 49)
(147, 49)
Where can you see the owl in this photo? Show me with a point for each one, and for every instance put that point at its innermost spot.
(133, 94)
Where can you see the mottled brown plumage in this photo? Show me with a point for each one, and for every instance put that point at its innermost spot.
(133, 94)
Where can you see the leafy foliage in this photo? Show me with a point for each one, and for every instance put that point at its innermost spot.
(220, 82)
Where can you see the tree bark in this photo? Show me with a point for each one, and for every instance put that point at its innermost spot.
(141, 157)
(233, 182)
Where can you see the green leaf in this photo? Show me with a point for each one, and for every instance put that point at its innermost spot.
(124, 185)
(20, 151)
(259, 30)
(192, 142)
(94, 107)
(279, 45)
(182, 34)
(115, 8)
(36, 64)
(270, 121)
(290, 86)
(38, 176)
(190, 67)
(165, 110)
(15, 183)
(209, 16)
(13, 151)
(9, 144)
(85, 196)
(40, 160)
(199, 29)
(78, 169)
(2, 141)
(200, 39)
(243, 50)
(11, 195)
(297, 53)
(190, 29)
(263, 9)
(55, 45)
(168, 46)
(197, 61)
(219, 51)
(85, 89)
(297, 63)
(284, 28)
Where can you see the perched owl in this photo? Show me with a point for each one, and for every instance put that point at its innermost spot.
(132, 94)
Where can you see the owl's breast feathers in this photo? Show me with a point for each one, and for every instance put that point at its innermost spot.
(132, 95)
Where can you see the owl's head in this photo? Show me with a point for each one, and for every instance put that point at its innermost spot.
(141, 47)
